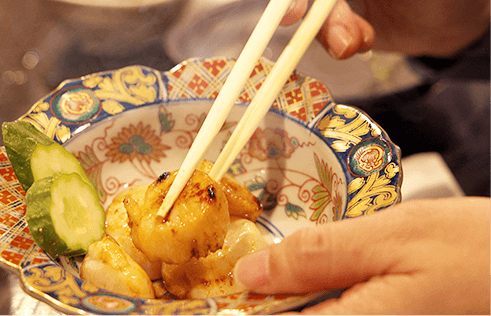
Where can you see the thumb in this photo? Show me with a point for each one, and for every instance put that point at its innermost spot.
(332, 256)
(295, 13)
(343, 34)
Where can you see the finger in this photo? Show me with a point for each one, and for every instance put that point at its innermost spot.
(381, 295)
(394, 261)
(367, 33)
(336, 255)
(345, 32)
(297, 10)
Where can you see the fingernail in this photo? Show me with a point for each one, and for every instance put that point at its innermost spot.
(292, 5)
(252, 271)
(338, 39)
(366, 37)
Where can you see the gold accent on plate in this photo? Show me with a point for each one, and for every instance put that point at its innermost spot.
(375, 192)
(52, 127)
(112, 107)
(55, 279)
(128, 84)
(348, 128)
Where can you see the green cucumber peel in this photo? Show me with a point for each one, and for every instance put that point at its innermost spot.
(34, 155)
(20, 139)
(64, 215)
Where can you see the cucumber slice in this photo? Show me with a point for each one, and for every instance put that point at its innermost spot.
(60, 161)
(34, 155)
(64, 215)
(20, 139)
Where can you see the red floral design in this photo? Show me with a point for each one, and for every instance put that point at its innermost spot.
(270, 143)
(140, 143)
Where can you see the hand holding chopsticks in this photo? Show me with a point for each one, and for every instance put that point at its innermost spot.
(270, 89)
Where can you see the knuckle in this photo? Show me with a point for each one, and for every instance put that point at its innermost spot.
(311, 245)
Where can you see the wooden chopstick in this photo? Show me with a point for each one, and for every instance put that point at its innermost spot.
(252, 51)
(272, 86)
(261, 103)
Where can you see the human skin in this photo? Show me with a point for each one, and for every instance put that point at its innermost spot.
(417, 257)
(438, 28)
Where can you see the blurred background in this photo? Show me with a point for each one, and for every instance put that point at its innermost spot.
(440, 121)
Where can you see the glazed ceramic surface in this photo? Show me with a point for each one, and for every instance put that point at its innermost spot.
(310, 162)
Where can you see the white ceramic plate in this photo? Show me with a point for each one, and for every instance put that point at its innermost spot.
(310, 161)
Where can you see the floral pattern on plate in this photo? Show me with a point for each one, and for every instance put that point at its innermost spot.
(310, 161)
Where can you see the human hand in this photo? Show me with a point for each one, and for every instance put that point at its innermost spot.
(417, 257)
(343, 34)
(438, 28)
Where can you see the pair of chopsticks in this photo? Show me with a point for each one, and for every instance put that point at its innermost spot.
(270, 89)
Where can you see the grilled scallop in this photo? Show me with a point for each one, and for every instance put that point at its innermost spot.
(117, 227)
(241, 202)
(212, 275)
(108, 266)
(194, 227)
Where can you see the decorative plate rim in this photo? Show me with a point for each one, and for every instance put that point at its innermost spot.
(347, 130)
